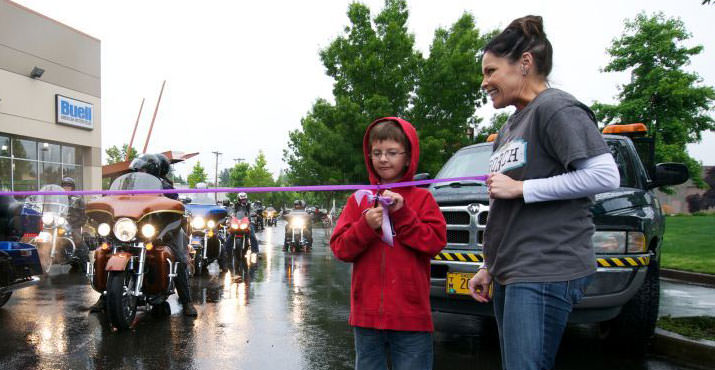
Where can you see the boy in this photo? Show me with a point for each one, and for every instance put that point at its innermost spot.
(389, 302)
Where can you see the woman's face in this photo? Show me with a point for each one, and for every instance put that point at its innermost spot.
(503, 81)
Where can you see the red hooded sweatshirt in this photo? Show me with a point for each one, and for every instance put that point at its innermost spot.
(390, 285)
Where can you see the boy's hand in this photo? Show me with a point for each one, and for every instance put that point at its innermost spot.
(397, 200)
(501, 186)
(373, 216)
(481, 279)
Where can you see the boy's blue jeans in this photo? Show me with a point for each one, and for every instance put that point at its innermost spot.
(531, 318)
(408, 350)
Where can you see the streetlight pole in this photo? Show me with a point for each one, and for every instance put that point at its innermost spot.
(216, 175)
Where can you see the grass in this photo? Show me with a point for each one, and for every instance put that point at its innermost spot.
(689, 243)
(696, 327)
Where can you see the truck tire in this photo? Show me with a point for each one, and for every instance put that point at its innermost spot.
(635, 325)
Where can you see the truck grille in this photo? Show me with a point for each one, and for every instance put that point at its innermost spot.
(465, 226)
(456, 218)
(457, 236)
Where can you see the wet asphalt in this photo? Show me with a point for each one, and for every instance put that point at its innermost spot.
(287, 311)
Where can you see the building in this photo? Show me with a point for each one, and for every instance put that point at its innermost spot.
(687, 198)
(50, 111)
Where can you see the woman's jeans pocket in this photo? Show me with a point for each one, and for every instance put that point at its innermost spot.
(577, 288)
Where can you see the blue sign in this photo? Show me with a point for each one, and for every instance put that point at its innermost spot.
(74, 112)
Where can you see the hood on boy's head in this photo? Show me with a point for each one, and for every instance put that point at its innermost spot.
(411, 134)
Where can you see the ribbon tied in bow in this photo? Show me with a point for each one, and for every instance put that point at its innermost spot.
(386, 202)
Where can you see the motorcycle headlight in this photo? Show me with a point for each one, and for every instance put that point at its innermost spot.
(44, 237)
(61, 220)
(48, 218)
(198, 223)
(234, 226)
(103, 229)
(125, 229)
(148, 230)
(244, 226)
(297, 222)
(609, 242)
(211, 224)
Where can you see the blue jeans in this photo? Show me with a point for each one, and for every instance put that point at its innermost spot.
(408, 350)
(531, 318)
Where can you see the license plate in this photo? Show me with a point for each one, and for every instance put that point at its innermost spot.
(458, 283)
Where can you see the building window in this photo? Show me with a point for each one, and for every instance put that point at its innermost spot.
(71, 155)
(50, 174)
(50, 152)
(75, 172)
(25, 149)
(5, 174)
(24, 175)
(4, 146)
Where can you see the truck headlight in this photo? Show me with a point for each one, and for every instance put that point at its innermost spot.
(103, 229)
(198, 223)
(609, 242)
(148, 230)
(125, 229)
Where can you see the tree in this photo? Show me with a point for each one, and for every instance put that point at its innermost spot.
(661, 93)
(197, 175)
(378, 73)
(116, 155)
(495, 124)
(237, 178)
(224, 177)
(448, 92)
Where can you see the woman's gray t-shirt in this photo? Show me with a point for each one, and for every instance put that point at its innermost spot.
(544, 241)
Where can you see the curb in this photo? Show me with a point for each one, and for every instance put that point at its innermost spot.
(690, 277)
(691, 351)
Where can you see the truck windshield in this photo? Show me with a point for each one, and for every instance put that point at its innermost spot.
(467, 162)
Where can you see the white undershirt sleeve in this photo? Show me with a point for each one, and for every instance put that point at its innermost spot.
(592, 176)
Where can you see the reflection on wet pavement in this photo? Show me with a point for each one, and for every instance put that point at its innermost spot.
(287, 310)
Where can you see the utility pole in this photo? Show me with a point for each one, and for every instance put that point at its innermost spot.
(216, 175)
(238, 160)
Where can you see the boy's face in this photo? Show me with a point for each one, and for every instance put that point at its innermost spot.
(389, 159)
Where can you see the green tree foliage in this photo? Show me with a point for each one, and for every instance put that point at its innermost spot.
(237, 178)
(116, 155)
(661, 93)
(197, 175)
(224, 177)
(378, 73)
(448, 92)
(495, 124)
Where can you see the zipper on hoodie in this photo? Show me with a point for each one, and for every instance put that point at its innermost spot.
(381, 309)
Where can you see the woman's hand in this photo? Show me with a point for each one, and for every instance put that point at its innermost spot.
(373, 216)
(480, 280)
(501, 186)
(397, 200)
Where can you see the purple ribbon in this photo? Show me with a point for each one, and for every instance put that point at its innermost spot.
(246, 190)
(386, 202)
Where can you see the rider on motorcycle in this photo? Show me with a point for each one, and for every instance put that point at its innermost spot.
(300, 211)
(259, 213)
(242, 206)
(76, 218)
(152, 164)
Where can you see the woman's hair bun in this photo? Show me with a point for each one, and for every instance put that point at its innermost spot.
(530, 26)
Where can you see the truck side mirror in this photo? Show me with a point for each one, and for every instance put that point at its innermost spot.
(186, 200)
(669, 174)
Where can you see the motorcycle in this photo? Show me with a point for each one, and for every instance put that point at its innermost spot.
(239, 232)
(298, 234)
(271, 216)
(207, 236)
(55, 241)
(257, 219)
(134, 264)
(19, 261)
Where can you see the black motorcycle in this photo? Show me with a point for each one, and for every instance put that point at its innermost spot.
(298, 232)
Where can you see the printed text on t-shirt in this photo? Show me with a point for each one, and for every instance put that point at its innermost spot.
(510, 156)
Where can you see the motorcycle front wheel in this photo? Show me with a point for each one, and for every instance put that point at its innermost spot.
(121, 304)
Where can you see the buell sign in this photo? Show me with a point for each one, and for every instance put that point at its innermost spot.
(74, 112)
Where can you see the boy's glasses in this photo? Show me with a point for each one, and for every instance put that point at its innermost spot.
(390, 154)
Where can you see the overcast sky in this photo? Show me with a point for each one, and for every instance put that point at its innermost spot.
(241, 74)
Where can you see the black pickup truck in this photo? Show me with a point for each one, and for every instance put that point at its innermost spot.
(623, 297)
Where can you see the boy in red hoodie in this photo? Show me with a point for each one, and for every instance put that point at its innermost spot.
(389, 301)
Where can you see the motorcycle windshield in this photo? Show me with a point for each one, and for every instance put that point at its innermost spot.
(136, 181)
(203, 199)
(241, 213)
(57, 204)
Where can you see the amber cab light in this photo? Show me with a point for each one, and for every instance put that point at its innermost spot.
(491, 138)
(633, 128)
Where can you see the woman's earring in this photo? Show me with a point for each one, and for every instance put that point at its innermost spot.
(523, 70)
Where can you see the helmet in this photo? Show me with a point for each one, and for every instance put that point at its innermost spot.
(164, 165)
(299, 204)
(242, 197)
(148, 163)
(68, 181)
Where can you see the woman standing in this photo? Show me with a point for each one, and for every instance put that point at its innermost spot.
(548, 160)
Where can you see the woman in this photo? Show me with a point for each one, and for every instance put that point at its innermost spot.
(548, 160)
